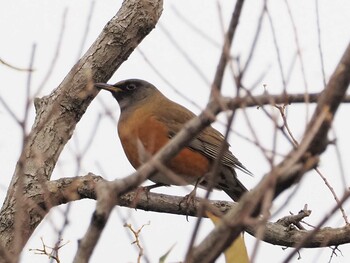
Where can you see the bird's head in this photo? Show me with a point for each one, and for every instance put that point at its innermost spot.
(130, 92)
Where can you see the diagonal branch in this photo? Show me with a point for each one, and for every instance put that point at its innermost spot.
(286, 173)
(225, 54)
(330, 100)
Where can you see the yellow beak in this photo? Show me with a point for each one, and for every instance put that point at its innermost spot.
(106, 86)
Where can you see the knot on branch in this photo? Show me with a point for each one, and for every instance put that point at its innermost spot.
(39, 103)
(292, 221)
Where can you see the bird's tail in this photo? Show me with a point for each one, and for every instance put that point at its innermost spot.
(231, 185)
(236, 192)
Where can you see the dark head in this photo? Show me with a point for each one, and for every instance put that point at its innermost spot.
(130, 92)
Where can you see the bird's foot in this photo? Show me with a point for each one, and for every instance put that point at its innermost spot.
(188, 201)
(146, 190)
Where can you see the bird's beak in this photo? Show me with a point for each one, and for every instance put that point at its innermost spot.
(107, 87)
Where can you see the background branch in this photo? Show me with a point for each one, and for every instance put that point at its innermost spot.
(287, 172)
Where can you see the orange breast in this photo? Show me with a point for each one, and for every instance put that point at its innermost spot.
(142, 136)
(190, 163)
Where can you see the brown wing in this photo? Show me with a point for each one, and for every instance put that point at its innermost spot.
(208, 142)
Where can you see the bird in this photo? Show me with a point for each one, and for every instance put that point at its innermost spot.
(148, 120)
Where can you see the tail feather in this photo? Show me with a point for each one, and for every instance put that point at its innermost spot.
(231, 185)
(228, 182)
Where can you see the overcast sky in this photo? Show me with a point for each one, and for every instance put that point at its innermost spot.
(25, 23)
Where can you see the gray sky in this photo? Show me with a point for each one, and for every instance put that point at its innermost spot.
(23, 23)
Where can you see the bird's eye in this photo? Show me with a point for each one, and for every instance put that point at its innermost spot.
(131, 87)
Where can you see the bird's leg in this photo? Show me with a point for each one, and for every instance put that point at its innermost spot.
(146, 190)
(190, 198)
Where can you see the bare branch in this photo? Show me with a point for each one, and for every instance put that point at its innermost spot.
(285, 174)
(225, 53)
(58, 113)
(330, 100)
(55, 57)
(66, 190)
(104, 206)
(14, 67)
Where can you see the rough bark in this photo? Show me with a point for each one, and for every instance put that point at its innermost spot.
(58, 114)
(279, 233)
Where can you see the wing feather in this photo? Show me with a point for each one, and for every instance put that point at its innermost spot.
(208, 142)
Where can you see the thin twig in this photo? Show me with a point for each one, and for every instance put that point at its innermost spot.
(318, 25)
(55, 57)
(184, 53)
(216, 86)
(87, 29)
(341, 208)
(194, 28)
(301, 60)
(136, 234)
(310, 234)
(255, 41)
(14, 67)
(162, 77)
(278, 53)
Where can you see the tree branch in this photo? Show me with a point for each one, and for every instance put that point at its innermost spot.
(65, 190)
(286, 99)
(225, 54)
(286, 173)
(58, 114)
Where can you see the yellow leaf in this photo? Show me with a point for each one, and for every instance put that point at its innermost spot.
(163, 258)
(237, 251)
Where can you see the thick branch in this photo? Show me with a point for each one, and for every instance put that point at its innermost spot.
(320, 123)
(330, 101)
(58, 114)
(285, 174)
(66, 190)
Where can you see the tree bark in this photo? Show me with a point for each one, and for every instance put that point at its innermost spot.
(57, 115)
